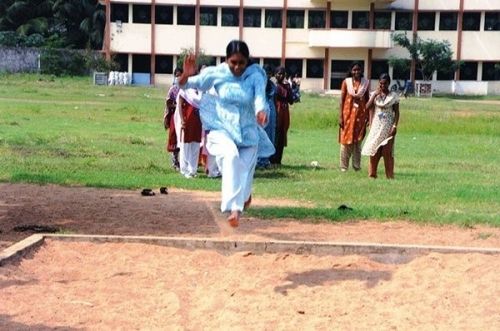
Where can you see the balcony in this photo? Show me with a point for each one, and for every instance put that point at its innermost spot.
(350, 38)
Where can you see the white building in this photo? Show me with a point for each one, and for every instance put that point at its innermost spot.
(317, 39)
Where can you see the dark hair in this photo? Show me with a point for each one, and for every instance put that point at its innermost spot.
(280, 69)
(353, 64)
(237, 46)
(386, 77)
(268, 69)
(177, 69)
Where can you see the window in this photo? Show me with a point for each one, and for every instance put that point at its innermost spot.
(316, 19)
(339, 72)
(448, 21)
(360, 20)
(378, 68)
(119, 12)
(293, 66)
(230, 16)
(491, 71)
(273, 18)
(252, 18)
(273, 63)
(404, 21)
(255, 60)
(339, 19)
(471, 21)
(141, 63)
(164, 64)
(295, 19)
(314, 68)
(164, 15)
(468, 71)
(445, 75)
(383, 20)
(492, 21)
(402, 72)
(208, 16)
(185, 15)
(122, 60)
(141, 13)
(426, 21)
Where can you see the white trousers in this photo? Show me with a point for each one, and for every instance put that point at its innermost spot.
(238, 167)
(189, 154)
(213, 168)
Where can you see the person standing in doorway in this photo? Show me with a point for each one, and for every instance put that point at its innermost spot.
(353, 116)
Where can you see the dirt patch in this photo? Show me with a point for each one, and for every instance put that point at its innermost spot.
(88, 286)
(85, 210)
(84, 286)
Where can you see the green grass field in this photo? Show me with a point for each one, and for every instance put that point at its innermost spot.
(67, 131)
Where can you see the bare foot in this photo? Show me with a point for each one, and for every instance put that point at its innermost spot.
(234, 218)
(247, 203)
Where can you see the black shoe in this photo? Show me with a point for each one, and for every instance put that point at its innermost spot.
(344, 208)
(147, 192)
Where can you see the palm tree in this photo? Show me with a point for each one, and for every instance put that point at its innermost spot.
(84, 21)
(26, 17)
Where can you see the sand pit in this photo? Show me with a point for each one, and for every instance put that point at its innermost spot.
(88, 286)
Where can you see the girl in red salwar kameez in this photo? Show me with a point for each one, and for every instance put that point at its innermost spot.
(284, 98)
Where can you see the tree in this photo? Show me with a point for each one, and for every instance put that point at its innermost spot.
(201, 58)
(26, 17)
(81, 21)
(429, 55)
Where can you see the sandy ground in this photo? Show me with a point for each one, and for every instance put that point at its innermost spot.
(85, 210)
(84, 286)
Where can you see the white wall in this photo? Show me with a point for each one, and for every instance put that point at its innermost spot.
(439, 4)
(172, 39)
(481, 45)
(494, 88)
(213, 39)
(469, 88)
(133, 38)
(481, 4)
(263, 46)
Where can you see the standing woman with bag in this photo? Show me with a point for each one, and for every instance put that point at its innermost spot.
(233, 117)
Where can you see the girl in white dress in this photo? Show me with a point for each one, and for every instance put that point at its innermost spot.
(384, 118)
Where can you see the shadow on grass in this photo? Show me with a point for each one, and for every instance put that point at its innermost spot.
(330, 214)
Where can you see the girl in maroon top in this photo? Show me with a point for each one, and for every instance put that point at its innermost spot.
(284, 98)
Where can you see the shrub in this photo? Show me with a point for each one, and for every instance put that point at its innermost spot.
(34, 40)
(62, 62)
(9, 39)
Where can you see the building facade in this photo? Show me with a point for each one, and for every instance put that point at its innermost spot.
(316, 39)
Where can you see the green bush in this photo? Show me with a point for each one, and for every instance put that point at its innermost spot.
(97, 62)
(9, 39)
(34, 40)
(62, 62)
